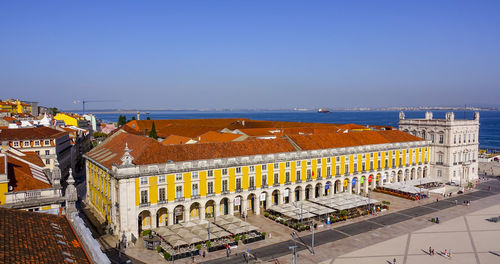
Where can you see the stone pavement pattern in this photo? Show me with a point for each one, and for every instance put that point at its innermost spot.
(337, 241)
(471, 238)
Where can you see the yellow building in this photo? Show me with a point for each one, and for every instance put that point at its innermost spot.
(15, 106)
(69, 119)
(135, 182)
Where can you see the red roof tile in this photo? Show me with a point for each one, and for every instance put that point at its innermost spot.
(30, 133)
(29, 237)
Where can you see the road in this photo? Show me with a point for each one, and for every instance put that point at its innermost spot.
(280, 249)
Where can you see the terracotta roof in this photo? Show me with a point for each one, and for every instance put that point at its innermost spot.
(193, 128)
(29, 237)
(174, 140)
(30, 133)
(149, 151)
(22, 175)
(213, 136)
(351, 139)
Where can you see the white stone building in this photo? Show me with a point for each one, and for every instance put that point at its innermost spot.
(454, 145)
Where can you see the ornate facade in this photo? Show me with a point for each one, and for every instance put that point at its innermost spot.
(137, 183)
(454, 145)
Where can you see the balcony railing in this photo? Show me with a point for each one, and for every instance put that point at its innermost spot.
(328, 176)
(355, 172)
(162, 201)
(239, 190)
(277, 184)
(225, 192)
(264, 186)
(210, 194)
(319, 178)
(251, 188)
(144, 204)
(179, 199)
(288, 183)
(299, 180)
(308, 179)
(195, 196)
(379, 169)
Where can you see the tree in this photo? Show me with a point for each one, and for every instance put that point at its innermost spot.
(152, 133)
(54, 110)
(122, 120)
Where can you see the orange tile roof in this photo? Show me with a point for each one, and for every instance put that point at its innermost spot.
(20, 173)
(29, 237)
(213, 136)
(30, 133)
(174, 140)
(351, 139)
(149, 151)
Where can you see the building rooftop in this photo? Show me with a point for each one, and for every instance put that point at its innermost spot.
(175, 140)
(30, 133)
(146, 150)
(24, 171)
(29, 237)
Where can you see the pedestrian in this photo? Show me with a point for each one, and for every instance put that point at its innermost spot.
(394, 261)
(437, 199)
(430, 251)
(203, 253)
(433, 252)
(446, 252)
(489, 188)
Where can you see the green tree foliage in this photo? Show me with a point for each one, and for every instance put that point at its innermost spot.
(152, 133)
(100, 135)
(54, 110)
(122, 120)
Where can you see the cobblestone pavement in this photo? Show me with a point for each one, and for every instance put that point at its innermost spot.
(338, 240)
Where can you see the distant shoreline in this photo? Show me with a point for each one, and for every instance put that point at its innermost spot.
(133, 111)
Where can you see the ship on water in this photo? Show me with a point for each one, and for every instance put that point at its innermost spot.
(323, 110)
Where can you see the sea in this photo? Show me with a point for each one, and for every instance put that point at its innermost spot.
(489, 129)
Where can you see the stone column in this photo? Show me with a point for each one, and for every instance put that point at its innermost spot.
(341, 187)
(231, 206)
(291, 196)
(202, 212)
(153, 219)
(374, 180)
(216, 208)
(302, 194)
(170, 217)
(321, 190)
(365, 187)
(186, 214)
(280, 198)
(256, 205)
(244, 205)
(357, 186)
(349, 186)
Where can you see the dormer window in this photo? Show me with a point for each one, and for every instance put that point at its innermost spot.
(15, 144)
(238, 169)
(26, 143)
(37, 142)
(46, 142)
(144, 180)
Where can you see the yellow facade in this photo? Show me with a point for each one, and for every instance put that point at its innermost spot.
(100, 185)
(4, 188)
(100, 190)
(68, 120)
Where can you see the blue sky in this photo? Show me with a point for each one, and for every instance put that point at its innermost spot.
(250, 54)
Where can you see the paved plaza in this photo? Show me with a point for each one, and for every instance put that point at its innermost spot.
(471, 238)
(335, 243)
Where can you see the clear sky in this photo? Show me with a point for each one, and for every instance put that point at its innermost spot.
(251, 54)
